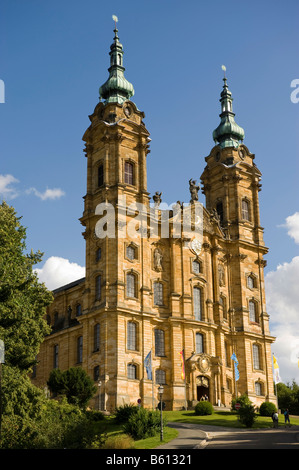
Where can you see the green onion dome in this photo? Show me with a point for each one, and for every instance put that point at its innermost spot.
(228, 133)
(116, 89)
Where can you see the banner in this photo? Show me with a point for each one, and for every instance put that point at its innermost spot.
(236, 363)
(277, 378)
(148, 365)
(183, 364)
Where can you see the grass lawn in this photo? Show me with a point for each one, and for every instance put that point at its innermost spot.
(218, 418)
(222, 418)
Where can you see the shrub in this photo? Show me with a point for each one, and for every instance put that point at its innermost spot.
(204, 408)
(247, 415)
(123, 413)
(267, 408)
(144, 423)
(94, 415)
(243, 400)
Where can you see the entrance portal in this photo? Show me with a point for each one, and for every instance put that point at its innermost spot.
(202, 388)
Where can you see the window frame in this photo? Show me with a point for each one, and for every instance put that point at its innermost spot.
(198, 334)
(79, 349)
(158, 293)
(129, 175)
(197, 314)
(132, 367)
(132, 328)
(159, 334)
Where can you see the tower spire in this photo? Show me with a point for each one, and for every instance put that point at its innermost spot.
(228, 133)
(116, 89)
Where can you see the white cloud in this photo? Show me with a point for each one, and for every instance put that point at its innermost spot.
(6, 190)
(57, 272)
(292, 224)
(282, 296)
(55, 193)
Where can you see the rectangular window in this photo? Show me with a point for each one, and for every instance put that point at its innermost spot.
(199, 343)
(98, 254)
(98, 287)
(159, 343)
(100, 175)
(158, 293)
(96, 337)
(245, 210)
(252, 311)
(132, 371)
(131, 285)
(55, 362)
(256, 356)
(79, 349)
(131, 336)
(160, 377)
(128, 173)
(197, 303)
(96, 373)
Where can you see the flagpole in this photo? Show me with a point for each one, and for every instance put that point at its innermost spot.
(153, 402)
(275, 384)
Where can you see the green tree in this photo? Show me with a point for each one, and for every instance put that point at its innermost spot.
(23, 300)
(74, 384)
(23, 303)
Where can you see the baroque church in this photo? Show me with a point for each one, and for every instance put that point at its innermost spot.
(194, 306)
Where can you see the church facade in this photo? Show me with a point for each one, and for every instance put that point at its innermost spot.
(186, 305)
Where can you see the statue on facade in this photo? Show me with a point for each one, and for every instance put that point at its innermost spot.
(193, 188)
(157, 198)
(158, 260)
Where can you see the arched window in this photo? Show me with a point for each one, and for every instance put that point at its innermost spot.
(131, 285)
(258, 388)
(250, 282)
(96, 337)
(196, 267)
(130, 252)
(100, 175)
(252, 311)
(160, 377)
(132, 336)
(219, 210)
(197, 303)
(245, 210)
(78, 310)
(256, 356)
(158, 293)
(199, 343)
(159, 342)
(96, 373)
(129, 173)
(79, 349)
(132, 371)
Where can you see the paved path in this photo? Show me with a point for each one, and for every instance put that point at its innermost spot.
(192, 436)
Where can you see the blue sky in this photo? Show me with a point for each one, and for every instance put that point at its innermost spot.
(53, 59)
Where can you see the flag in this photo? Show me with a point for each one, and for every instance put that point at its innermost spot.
(148, 365)
(183, 363)
(276, 371)
(236, 363)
